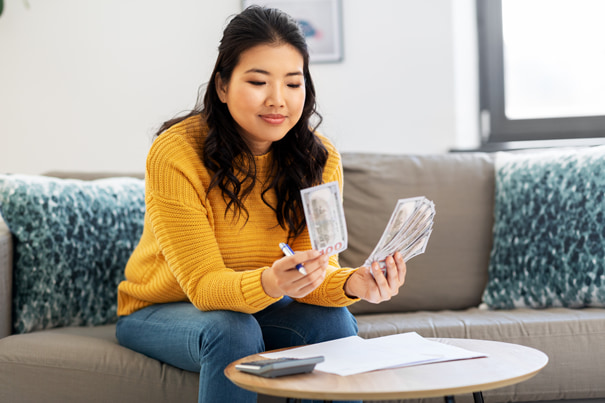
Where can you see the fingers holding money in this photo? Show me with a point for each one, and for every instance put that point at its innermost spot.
(388, 280)
(311, 260)
(396, 271)
(376, 285)
(283, 278)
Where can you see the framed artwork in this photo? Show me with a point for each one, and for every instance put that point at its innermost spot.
(321, 22)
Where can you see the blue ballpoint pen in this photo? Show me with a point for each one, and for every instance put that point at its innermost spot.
(289, 252)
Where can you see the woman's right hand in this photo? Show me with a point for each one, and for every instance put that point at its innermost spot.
(282, 278)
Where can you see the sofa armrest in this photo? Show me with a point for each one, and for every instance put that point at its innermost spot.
(6, 280)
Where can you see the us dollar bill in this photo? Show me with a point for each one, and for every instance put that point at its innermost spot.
(325, 218)
(407, 231)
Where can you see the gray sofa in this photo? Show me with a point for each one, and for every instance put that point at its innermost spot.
(442, 297)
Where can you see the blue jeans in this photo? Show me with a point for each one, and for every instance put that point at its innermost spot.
(206, 342)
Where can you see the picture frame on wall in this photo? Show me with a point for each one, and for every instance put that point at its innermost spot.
(321, 22)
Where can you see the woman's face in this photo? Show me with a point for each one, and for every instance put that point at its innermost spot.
(265, 95)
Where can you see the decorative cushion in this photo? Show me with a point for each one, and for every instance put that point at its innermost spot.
(72, 241)
(549, 230)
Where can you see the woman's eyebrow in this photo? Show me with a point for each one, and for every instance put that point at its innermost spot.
(261, 71)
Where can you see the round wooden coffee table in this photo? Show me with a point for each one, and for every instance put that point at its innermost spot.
(505, 364)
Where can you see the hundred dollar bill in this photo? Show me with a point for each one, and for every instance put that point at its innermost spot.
(325, 218)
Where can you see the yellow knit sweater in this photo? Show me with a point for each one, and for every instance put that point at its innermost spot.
(191, 251)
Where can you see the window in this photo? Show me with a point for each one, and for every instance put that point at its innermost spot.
(542, 70)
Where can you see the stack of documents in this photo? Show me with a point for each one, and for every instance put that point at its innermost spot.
(354, 355)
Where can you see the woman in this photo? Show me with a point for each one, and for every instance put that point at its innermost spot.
(208, 283)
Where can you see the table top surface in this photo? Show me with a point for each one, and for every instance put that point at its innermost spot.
(505, 364)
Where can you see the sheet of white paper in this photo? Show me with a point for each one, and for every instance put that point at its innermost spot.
(405, 344)
(354, 355)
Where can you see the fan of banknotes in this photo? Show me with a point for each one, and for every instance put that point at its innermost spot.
(407, 231)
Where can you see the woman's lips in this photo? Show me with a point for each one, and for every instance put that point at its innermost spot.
(274, 119)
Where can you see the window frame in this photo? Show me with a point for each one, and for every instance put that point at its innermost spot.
(495, 127)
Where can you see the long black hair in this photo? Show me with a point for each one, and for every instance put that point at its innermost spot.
(298, 159)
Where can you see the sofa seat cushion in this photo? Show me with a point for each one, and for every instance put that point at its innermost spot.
(567, 336)
(86, 364)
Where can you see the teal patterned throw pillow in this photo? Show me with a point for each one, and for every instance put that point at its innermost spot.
(72, 240)
(549, 230)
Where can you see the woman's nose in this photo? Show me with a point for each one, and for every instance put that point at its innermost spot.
(275, 98)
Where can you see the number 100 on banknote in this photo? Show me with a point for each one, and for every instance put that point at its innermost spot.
(325, 218)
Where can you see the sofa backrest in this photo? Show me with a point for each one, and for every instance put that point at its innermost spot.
(452, 273)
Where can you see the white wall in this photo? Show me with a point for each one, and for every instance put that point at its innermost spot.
(84, 84)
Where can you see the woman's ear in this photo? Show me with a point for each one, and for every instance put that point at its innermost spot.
(221, 88)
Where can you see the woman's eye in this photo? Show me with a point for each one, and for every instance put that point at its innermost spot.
(294, 85)
(258, 83)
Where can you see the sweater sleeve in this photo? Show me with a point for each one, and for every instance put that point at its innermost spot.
(181, 221)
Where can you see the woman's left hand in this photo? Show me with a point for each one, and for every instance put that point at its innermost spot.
(370, 284)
